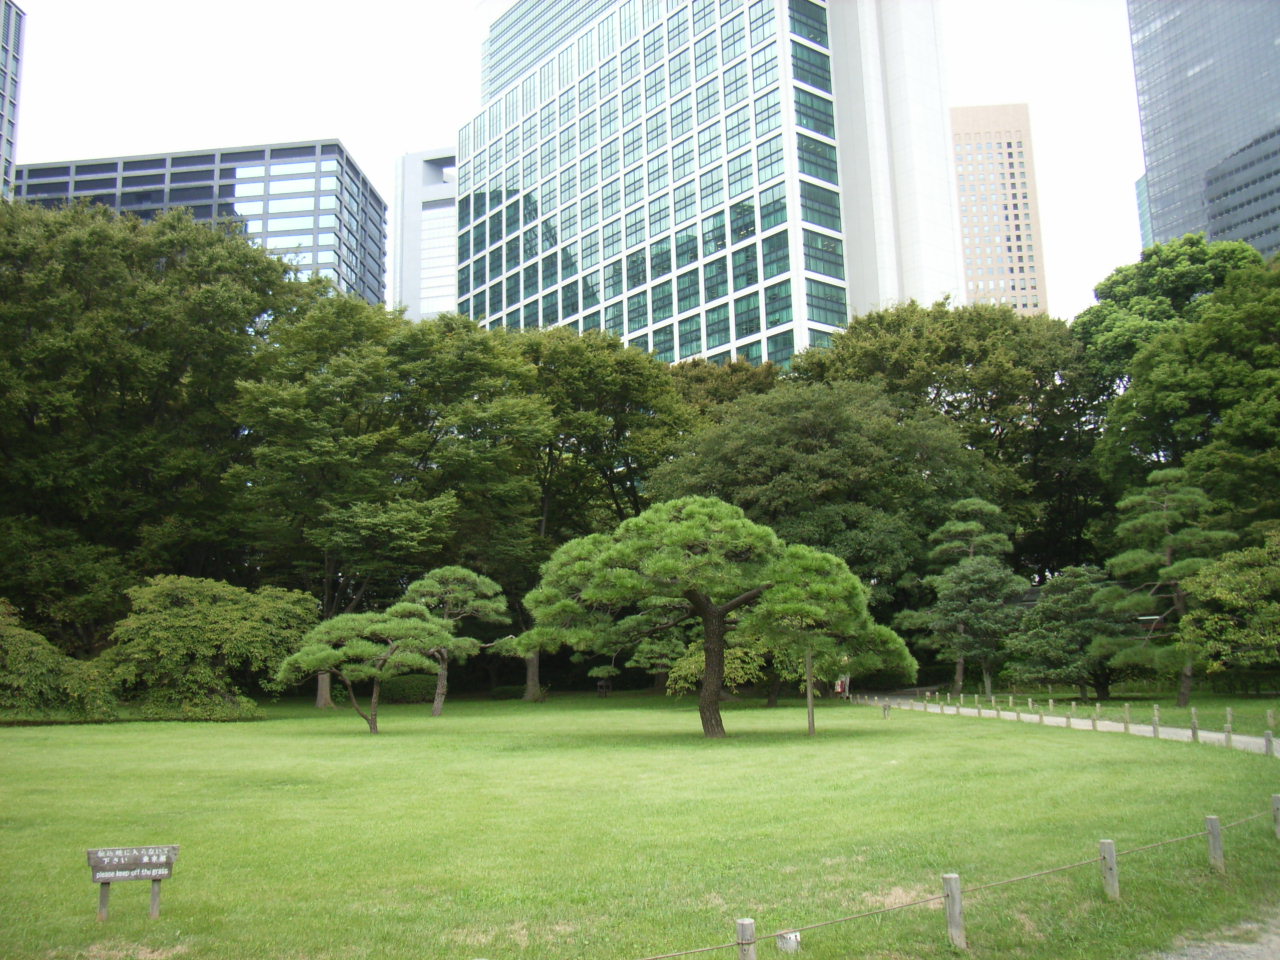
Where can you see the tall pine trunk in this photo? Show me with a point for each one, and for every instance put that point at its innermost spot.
(713, 676)
(532, 681)
(957, 685)
(442, 686)
(324, 690)
(808, 687)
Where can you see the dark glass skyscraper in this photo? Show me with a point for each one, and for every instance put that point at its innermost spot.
(11, 25)
(1208, 79)
(307, 203)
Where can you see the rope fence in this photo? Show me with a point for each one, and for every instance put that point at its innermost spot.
(1095, 719)
(788, 940)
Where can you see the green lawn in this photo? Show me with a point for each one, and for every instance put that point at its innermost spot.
(587, 828)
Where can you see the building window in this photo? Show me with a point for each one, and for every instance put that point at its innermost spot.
(809, 20)
(662, 302)
(815, 113)
(773, 206)
(746, 316)
(819, 205)
(817, 159)
(823, 254)
(777, 304)
(776, 254)
(664, 343)
(637, 312)
(769, 159)
(826, 303)
(687, 291)
(715, 278)
(717, 326)
(713, 236)
(690, 336)
(781, 348)
(746, 269)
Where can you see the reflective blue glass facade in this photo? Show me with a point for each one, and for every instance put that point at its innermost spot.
(1208, 81)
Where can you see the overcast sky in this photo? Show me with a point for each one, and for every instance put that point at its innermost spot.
(389, 78)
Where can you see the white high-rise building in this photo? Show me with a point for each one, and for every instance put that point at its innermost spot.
(716, 178)
(425, 270)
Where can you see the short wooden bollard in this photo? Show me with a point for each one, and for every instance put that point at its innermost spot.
(1073, 708)
(884, 710)
(1010, 701)
(746, 929)
(1268, 743)
(1030, 705)
(1051, 704)
(948, 696)
(1042, 718)
(1097, 707)
(1155, 721)
(955, 910)
(1226, 735)
(1110, 868)
(1126, 718)
(1214, 830)
(1195, 725)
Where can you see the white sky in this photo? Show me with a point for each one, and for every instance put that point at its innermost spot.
(389, 77)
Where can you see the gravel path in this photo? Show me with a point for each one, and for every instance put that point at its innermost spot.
(1248, 941)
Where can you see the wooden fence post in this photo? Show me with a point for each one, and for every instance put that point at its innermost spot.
(1155, 721)
(1030, 705)
(1214, 830)
(1097, 707)
(1051, 704)
(1126, 718)
(1011, 701)
(1269, 743)
(746, 930)
(1195, 725)
(955, 910)
(1042, 717)
(1110, 868)
(104, 895)
(1226, 734)
(155, 899)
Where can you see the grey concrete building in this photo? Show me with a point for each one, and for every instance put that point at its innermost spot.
(424, 273)
(306, 202)
(1243, 193)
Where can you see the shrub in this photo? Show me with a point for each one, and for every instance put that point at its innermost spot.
(409, 688)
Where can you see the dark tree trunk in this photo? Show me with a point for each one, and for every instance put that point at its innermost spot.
(713, 676)
(775, 691)
(1102, 688)
(660, 681)
(1084, 691)
(442, 685)
(373, 706)
(324, 693)
(1186, 676)
(986, 678)
(808, 688)
(532, 682)
(957, 685)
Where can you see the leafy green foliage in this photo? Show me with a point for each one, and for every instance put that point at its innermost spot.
(1234, 615)
(187, 641)
(709, 387)
(1068, 636)
(37, 676)
(975, 606)
(369, 648)
(123, 342)
(1139, 301)
(1163, 527)
(841, 467)
(696, 570)
(1017, 389)
(454, 594)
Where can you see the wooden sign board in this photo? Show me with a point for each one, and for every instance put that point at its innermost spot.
(114, 864)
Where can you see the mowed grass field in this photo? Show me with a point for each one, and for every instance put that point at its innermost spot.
(590, 828)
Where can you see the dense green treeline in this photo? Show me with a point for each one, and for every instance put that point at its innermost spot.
(176, 405)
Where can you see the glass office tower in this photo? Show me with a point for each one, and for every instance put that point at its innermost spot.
(307, 203)
(716, 178)
(1208, 80)
(11, 26)
(425, 274)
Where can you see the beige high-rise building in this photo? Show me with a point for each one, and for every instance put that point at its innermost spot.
(1000, 234)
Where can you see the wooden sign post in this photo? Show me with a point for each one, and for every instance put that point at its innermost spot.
(113, 864)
